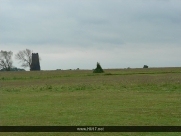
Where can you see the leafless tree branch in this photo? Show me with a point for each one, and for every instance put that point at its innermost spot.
(24, 57)
(5, 60)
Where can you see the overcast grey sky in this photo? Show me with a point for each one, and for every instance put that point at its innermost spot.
(70, 34)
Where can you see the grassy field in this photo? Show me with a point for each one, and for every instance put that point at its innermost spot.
(118, 97)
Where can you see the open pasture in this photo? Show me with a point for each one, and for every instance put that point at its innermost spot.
(118, 97)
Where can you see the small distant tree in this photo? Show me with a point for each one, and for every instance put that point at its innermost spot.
(98, 69)
(145, 66)
(25, 58)
(6, 60)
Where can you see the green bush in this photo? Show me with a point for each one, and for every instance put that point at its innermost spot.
(98, 69)
(145, 66)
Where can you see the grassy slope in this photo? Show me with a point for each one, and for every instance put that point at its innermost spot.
(117, 97)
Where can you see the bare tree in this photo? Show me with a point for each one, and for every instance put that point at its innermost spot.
(25, 57)
(6, 60)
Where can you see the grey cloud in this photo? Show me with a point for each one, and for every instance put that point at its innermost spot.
(115, 28)
(90, 23)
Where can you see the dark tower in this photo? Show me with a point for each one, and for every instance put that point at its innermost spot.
(35, 64)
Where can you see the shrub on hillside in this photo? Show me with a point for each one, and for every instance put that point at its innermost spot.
(98, 69)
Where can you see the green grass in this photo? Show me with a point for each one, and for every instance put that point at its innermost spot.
(127, 97)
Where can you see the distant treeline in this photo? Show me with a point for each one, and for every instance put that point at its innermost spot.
(13, 69)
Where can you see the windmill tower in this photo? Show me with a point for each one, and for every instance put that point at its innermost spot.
(35, 64)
